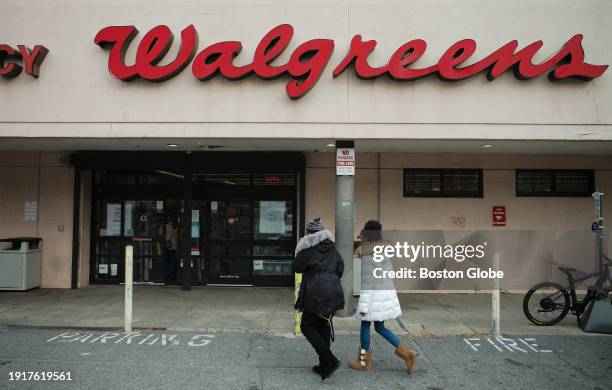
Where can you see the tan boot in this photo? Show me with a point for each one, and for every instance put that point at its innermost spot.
(409, 356)
(363, 362)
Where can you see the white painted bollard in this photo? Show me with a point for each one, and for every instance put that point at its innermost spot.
(129, 267)
(495, 309)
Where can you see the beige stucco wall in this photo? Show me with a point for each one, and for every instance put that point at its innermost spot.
(399, 212)
(44, 178)
(565, 220)
(76, 96)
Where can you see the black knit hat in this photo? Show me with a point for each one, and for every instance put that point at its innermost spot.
(315, 225)
(371, 230)
(372, 224)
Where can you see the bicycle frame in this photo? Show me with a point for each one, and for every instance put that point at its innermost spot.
(600, 290)
(577, 306)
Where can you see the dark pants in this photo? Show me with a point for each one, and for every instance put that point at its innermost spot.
(318, 331)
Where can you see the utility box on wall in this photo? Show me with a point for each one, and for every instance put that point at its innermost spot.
(20, 263)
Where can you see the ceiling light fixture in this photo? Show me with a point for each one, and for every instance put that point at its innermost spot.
(487, 146)
(173, 145)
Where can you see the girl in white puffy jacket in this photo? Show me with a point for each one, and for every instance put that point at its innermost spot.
(377, 302)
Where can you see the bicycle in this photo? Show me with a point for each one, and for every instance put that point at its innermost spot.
(557, 301)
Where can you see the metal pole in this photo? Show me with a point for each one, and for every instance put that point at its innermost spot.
(599, 220)
(129, 276)
(345, 231)
(600, 234)
(495, 298)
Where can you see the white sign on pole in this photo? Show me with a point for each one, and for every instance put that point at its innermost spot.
(345, 161)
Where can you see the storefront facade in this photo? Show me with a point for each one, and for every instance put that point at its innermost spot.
(222, 146)
(243, 226)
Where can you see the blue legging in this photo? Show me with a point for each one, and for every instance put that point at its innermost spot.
(379, 326)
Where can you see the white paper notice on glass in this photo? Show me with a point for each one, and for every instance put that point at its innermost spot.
(103, 268)
(113, 219)
(129, 228)
(195, 230)
(195, 215)
(258, 265)
(272, 217)
(213, 206)
(113, 269)
(159, 206)
(30, 211)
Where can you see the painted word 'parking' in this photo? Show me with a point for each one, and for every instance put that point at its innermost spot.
(135, 338)
(502, 344)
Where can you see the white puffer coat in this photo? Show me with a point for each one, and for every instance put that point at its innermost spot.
(377, 304)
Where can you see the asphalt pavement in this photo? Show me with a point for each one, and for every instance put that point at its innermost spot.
(242, 360)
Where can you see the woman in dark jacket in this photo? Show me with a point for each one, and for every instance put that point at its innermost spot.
(320, 294)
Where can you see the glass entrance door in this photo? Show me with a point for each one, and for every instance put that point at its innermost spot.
(230, 245)
(129, 222)
(242, 228)
(248, 241)
(143, 223)
(198, 246)
(274, 242)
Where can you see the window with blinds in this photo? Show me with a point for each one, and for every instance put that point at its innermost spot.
(555, 182)
(443, 183)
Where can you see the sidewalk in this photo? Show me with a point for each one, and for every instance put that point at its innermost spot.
(254, 310)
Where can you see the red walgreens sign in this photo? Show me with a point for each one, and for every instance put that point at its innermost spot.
(308, 60)
(31, 59)
(499, 215)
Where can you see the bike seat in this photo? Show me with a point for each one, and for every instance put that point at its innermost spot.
(567, 270)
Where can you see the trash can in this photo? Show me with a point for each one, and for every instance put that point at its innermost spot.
(20, 263)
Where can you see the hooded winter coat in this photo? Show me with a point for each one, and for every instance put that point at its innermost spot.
(320, 264)
(377, 298)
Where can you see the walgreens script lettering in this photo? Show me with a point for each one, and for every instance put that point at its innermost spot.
(308, 61)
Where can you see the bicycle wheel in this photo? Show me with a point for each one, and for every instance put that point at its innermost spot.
(546, 303)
